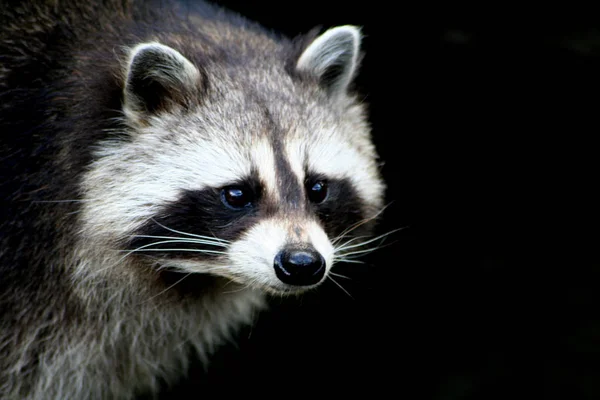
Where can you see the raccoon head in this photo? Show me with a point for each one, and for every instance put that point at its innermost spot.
(238, 165)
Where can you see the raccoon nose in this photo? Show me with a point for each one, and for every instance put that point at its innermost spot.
(300, 267)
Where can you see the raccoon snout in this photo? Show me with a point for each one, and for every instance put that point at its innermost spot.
(299, 266)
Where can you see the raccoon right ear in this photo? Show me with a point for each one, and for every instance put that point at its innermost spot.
(333, 58)
(158, 78)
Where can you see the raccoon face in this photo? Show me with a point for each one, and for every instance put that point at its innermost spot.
(244, 170)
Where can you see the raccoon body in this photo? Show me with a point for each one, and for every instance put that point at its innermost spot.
(163, 170)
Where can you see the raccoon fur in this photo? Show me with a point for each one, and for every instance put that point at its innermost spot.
(165, 168)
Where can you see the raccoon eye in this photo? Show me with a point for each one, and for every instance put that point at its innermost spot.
(317, 191)
(237, 197)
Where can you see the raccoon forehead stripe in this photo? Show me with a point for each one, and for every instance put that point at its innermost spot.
(263, 158)
(284, 178)
(288, 177)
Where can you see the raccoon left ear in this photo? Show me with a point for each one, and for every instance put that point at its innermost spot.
(158, 78)
(333, 57)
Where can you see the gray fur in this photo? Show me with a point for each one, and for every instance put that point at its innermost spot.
(87, 162)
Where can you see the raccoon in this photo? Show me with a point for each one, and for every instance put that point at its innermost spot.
(166, 169)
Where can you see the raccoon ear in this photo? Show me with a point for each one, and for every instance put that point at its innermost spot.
(333, 57)
(158, 78)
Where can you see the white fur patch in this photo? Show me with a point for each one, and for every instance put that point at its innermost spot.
(130, 182)
(264, 159)
(253, 256)
(328, 155)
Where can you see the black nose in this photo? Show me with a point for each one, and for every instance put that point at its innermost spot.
(300, 267)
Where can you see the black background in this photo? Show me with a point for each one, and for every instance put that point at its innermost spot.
(487, 123)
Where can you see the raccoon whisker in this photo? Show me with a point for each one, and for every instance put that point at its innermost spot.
(187, 239)
(253, 283)
(182, 250)
(347, 255)
(129, 252)
(244, 287)
(367, 250)
(187, 274)
(145, 248)
(382, 236)
(216, 270)
(347, 231)
(340, 286)
(159, 242)
(350, 257)
(184, 240)
(360, 223)
(175, 268)
(341, 259)
(339, 275)
(229, 282)
(231, 279)
(189, 234)
(63, 201)
(166, 289)
(335, 242)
